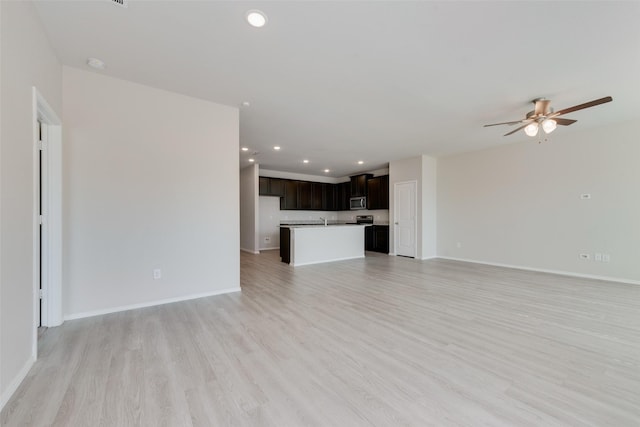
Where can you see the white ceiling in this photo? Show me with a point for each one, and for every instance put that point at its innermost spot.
(337, 82)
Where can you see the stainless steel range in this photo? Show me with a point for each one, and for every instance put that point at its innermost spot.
(364, 219)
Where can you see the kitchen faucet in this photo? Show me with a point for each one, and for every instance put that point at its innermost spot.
(325, 221)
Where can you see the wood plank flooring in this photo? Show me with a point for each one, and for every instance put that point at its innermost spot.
(384, 341)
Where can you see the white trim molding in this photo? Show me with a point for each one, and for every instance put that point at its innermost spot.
(324, 261)
(15, 383)
(544, 270)
(149, 304)
(250, 251)
(51, 264)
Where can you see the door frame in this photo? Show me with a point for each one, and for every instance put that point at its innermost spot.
(52, 201)
(415, 216)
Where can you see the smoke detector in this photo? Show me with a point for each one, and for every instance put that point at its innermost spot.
(121, 3)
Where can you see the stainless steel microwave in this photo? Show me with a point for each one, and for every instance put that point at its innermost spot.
(358, 203)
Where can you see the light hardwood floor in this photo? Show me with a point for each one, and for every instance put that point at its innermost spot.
(384, 341)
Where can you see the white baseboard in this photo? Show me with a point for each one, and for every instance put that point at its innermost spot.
(327, 260)
(250, 251)
(270, 249)
(148, 304)
(429, 257)
(543, 270)
(15, 383)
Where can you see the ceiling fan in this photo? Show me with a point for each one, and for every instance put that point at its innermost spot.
(544, 116)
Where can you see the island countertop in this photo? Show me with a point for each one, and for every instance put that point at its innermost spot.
(320, 225)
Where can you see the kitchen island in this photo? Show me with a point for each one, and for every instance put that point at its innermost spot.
(313, 244)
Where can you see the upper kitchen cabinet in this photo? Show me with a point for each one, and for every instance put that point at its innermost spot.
(290, 198)
(343, 193)
(305, 196)
(271, 186)
(320, 197)
(378, 192)
(359, 185)
(330, 197)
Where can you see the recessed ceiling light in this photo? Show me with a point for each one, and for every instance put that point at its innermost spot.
(252, 160)
(244, 149)
(305, 161)
(246, 104)
(256, 18)
(327, 171)
(96, 63)
(360, 162)
(276, 147)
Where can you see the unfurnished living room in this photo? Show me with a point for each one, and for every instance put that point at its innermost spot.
(323, 213)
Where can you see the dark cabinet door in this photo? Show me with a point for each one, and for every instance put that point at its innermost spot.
(305, 197)
(290, 199)
(368, 238)
(373, 187)
(271, 186)
(343, 193)
(285, 244)
(276, 186)
(263, 186)
(359, 185)
(384, 192)
(381, 238)
(318, 194)
(330, 197)
(378, 190)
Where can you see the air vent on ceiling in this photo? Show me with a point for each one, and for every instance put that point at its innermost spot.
(121, 3)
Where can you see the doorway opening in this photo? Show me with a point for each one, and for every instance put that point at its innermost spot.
(47, 217)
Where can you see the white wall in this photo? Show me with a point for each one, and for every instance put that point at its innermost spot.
(27, 60)
(249, 216)
(151, 181)
(520, 204)
(269, 227)
(429, 207)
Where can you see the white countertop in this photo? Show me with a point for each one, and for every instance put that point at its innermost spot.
(322, 225)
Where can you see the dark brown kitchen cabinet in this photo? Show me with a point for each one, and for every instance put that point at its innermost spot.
(285, 244)
(330, 197)
(378, 192)
(343, 193)
(305, 196)
(359, 185)
(289, 201)
(263, 186)
(376, 238)
(319, 196)
(271, 186)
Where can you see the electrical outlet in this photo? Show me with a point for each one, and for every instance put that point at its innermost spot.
(598, 257)
(585, 196)
(458, 245)
(157, 274)
(267, 239)
(585, 257)
(606, 258)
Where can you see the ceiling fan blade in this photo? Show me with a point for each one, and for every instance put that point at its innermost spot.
(516, 130)
(504, 123)
(564, 122)
(582, 106)
(541, 107)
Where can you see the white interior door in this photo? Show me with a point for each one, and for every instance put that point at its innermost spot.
(405, 218)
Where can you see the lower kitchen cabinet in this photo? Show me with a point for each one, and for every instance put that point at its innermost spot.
(285, 244)
(376, 238)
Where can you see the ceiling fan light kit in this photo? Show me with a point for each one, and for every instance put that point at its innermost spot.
(544, 116)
